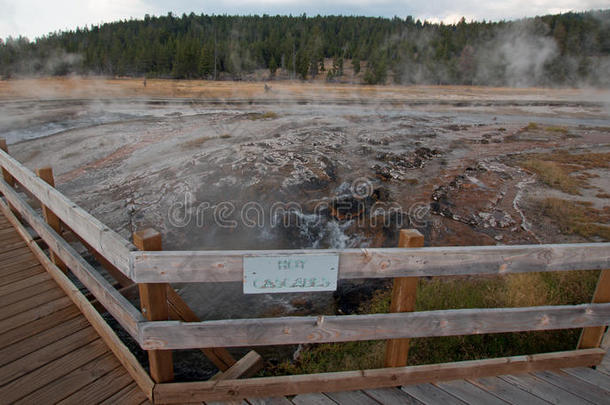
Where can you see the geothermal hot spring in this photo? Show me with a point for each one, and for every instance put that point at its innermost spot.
(324, 172)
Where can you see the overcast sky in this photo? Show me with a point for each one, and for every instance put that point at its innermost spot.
(35, 18)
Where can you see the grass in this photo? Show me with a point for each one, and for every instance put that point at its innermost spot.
(262, 116)
(443, 293)
(577, 161)
(577, 218)
(560, 130)
(558, 169)
(542, 132)
(532, 126)
(195, 143)
(553, 175)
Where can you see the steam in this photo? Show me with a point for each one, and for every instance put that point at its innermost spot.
(520, 53)
(27, 62)
(517, 56)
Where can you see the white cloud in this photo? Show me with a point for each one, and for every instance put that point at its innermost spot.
(34, 18)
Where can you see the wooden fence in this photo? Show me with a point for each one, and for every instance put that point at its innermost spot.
(164, 322)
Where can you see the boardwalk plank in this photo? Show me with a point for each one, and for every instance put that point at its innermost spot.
(42, 339)
(6, 240)
(508, 392)
(431, 394)
(19, 262)
(25, 283)
(39, 325)
(391, 396)
(104, 387)
(269, 401)
(72, 382)
(46, 354)
(42, 376)
(314, 398)
(48, 351)
(7, 233)
(33, 302)
(21, 275)
(351, 397)
(543, 389)
(14, 253)
(591, 376)
(469, 393)
(576, 386)
(130, 395)
(34, 314)
(26, 293)
(235, 402)
(12, 244)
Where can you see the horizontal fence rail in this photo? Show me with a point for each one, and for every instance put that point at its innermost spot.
(325, 329)
(222, 266)
(107, 242)
(120, 308)
(180, 393)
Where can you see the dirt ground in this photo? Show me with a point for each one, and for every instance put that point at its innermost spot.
(99, 88)
(206, 163)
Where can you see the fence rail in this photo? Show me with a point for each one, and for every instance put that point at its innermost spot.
(122, 310)
(220, 266)
(114, 248)
(343, 328)
(148, 268)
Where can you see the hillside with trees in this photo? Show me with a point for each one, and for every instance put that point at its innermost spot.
(555, 50)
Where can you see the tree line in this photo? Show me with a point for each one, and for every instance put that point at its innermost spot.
(565, 49)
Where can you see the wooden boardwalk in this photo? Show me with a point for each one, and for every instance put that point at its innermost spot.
(49, 353)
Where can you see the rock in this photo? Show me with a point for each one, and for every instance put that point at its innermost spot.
(351, 294)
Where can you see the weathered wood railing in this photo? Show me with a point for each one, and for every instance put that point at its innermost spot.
(60, 215)
(152, 269)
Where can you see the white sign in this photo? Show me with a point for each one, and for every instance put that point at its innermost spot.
(290, 273)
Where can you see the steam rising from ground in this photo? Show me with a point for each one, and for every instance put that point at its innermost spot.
(518, 55)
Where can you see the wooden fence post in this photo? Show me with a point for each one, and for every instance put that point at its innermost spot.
(592, 337)
(403, 300)
(153, 302)
(10, 180)
(7, 176)
(46, 174)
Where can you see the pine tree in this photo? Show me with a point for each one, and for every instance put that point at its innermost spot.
(272, 66)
